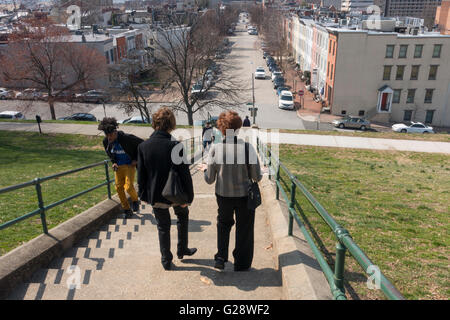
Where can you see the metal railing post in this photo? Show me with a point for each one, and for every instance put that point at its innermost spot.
(291, 206)
(41, 204)
(339, 266)
(107, 179)
(270, 163)
(277, 181)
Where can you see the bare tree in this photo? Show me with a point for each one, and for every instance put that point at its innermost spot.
(187, 53)
(274, 32)
(125, 82)
(41, 55)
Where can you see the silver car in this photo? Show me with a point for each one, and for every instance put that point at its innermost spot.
(352, 122)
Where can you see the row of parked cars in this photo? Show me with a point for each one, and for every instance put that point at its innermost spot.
(91, 96)
(207, 81)
(285, 96)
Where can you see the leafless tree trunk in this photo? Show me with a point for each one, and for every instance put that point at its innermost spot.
(188, 53)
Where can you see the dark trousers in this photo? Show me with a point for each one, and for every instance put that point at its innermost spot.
(245, 222)
(163, 221)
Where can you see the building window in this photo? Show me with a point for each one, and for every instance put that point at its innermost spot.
(429, 96)
(361, 113)
(437, 50)
(387, 73)
(390, 51)
(415, 72)
(407, 115)
(334, 47)
(331, 72)
(403, 51)
(328, 69)
(418, 51)
(411, 94)
(396, 97)
(433, 73)
(429, 116)
(343, 112)
(400, 71)
(329, 49)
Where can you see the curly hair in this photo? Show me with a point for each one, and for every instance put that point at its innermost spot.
(164, 120)
(108, 125)
(228, 120)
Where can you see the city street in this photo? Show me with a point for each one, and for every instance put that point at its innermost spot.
(245, 56)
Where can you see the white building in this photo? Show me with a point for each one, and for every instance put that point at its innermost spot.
(355, 5)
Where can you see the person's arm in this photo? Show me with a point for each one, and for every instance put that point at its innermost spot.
(255, 168)
(212, 167)
(185, 176)
(141, 174)
(110, 155)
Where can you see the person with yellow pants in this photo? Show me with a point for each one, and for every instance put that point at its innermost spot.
(122, 150)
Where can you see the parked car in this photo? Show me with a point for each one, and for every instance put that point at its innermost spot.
(265, 54)
(198, 89)
(415, 127)
(136, 119)
(352, 122)
(278, 82)
(95, 96)
(273, 67)
(29, 94)
(253, 32)
(282, 88)
(276, 73)
(6, 94)
(13, 115)
(80, 117)
(260, 73)
(286, 100)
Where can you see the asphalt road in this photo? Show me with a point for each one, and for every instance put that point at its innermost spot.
(245, 56)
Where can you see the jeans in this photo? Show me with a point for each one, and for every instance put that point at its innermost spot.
(245, 222)
(163, 222)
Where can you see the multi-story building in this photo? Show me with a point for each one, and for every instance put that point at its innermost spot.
(355, 5)
(390, 76)
(443, 17)
(425, 9)
(387, 74)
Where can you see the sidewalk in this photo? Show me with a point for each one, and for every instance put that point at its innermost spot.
(287, 138)
(122, 261)
(309, 110)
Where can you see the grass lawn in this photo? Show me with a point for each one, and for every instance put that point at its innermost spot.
(396, 206)
(25, 156)
(444, 137)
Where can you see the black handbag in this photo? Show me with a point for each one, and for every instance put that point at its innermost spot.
(254, 194)
(174, 190)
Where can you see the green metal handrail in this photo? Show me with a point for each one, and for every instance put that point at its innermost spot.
(191, 146)
(344, 239)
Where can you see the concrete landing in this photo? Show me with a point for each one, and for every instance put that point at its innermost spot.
(122, 261)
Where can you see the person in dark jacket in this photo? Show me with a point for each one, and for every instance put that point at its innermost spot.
(246, 122)
(207, 135)
(122, 150)
(156, 156)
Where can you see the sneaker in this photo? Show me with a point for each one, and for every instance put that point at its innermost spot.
(220, 264)
(135, 206)
(128, 213)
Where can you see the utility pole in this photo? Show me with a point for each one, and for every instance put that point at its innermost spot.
(253, 90)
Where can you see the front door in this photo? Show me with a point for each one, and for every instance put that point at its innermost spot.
(429, 116)
(384, 98)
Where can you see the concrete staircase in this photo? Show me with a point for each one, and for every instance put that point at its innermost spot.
(121, 260)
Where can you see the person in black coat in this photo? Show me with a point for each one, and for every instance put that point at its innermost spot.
(246, 122)
(156, 156)
(122, 150)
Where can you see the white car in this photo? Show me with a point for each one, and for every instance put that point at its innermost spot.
(29, 94)
(276, 74)
(260, 73)
(6, 94)
(415, 127)
(135, 119)
(286, 100)
(13, 115)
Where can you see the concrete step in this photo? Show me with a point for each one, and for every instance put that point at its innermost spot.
(84, 263)
(110, 235)
(103, 243)
(42, 291)
(64, 276)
